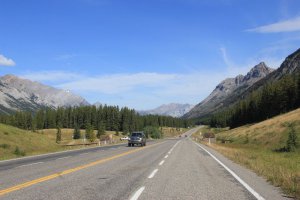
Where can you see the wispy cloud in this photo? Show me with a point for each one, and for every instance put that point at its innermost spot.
(4, 61)
(226, 60)
(233, 69)
(52, 76)
(143, 90)
(269, 55)
(289, 25)
(146, 90)
(117, 83)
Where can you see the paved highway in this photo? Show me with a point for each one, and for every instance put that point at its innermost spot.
(167, 169)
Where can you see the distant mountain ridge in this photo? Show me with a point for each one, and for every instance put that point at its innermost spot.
(222, 95)
(172, 109)
(22, 94)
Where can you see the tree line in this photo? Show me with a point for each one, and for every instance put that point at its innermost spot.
(111, 118)
(274, 98)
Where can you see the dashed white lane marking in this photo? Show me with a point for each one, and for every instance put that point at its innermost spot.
(153, 173)
(251, 190)
(162, 162)
(137, 193)
(63, 157)
(173, 147)
(166, 156)
(83, 153)
(30, 164)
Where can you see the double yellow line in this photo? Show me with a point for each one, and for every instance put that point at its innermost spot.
(52, 176)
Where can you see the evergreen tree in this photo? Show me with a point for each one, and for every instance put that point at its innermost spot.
(104, 118)
(101, 129)
(76, 133)
(58, 135)
(33, 125)
(89, 133)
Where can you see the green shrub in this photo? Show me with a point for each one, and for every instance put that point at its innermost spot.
(19, 152)
(153, 132)
(291, 143)
(5, 146)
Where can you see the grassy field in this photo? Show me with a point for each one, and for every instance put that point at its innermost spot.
(16, 142)
(259, 148)
(27, 142)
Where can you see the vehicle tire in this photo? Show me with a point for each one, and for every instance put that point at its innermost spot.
(129, 144)
(145, 144)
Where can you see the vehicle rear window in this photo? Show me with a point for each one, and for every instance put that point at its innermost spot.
(136, 134)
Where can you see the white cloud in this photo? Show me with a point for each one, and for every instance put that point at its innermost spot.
(225, 57)
(289, 25)
(142, 90)
(233, 69)
(117, 83)
(6, 61)
(52, 76)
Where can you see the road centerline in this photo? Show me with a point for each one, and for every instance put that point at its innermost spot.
(138, 193)
(153, 173)
(68, 171)
(161, 162)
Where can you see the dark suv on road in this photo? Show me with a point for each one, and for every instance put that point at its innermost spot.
(137, 138)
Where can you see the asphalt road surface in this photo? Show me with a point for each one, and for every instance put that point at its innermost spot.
(165, 169)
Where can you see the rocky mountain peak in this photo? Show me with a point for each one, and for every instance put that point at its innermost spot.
(227, 87)
(239, 79)
(172, 109)
(290, 65)
(258, 71)
(23, 94)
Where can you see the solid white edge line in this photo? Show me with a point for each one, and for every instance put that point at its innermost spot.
(137, 193)
(63, 157)
(30, 164)
(162, 162)
(53, 153)
(251, 190)
(153, 173)
(166, 156)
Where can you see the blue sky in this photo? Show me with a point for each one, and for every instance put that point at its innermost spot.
(144, 53)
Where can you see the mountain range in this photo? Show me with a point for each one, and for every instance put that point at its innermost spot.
(231, 90)
(172, 109)
(22, 94)
(19, 94)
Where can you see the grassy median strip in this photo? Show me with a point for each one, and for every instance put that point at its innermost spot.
(65, 172)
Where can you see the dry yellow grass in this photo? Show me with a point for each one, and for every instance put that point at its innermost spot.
(28, 142)
(254, 147)
(40, 142)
